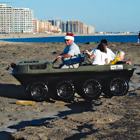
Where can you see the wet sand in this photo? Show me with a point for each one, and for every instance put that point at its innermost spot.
(111, 119)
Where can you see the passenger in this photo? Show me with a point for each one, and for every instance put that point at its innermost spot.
(110, 54)
(98, 55)
(120, 58)
(70, 50)
(139, 37)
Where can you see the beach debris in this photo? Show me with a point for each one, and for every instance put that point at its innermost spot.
(54, 52)
(132, 94)
(138, 73)
(25, 102)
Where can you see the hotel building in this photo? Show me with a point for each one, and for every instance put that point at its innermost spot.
(15, 20)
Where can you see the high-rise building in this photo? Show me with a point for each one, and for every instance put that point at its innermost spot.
(15, 20)
(74, 26)
(44, 26)
(57, 23)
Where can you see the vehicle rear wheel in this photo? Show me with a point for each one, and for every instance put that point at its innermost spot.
(65, 90)
(119, 87)
(38, 91)
(91, 89)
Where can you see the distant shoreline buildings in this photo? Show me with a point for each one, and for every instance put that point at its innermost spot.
(74, 26)
(21, 20)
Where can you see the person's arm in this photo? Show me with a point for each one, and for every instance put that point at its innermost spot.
(106, 61)
(59, 57)
(66, 55)
(90, 54)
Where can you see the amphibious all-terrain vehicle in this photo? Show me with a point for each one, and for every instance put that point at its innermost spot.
(42, 80)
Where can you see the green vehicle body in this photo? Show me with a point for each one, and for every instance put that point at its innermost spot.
(42, 80)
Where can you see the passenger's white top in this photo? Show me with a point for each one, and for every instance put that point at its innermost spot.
(110, 54)
(100, 57)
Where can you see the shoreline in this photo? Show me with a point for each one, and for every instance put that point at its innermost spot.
(78, 39)
(16, 35)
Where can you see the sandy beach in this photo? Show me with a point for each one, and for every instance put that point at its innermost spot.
(115, 118)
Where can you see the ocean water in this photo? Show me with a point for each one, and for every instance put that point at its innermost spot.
(78, 39)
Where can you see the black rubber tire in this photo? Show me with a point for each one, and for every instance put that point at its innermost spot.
(38, 91)
(91, 89)
(118, 87)
(65, 90)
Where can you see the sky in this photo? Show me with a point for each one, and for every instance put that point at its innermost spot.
(105, 15)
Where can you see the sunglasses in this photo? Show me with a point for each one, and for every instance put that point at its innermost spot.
(66, 40)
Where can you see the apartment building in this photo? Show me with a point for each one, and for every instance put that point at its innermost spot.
(15, 20)
(74, 26)
(44, 26)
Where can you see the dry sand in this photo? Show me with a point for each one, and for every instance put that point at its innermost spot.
(115, 118)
